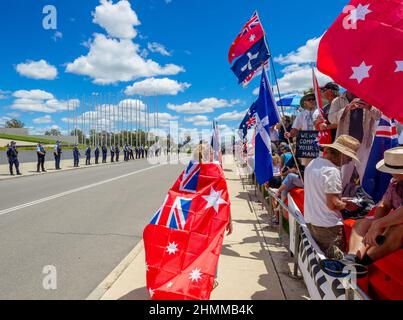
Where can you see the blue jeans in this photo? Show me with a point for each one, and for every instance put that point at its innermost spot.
(291, 181)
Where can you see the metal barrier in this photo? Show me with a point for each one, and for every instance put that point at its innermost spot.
(352, 292)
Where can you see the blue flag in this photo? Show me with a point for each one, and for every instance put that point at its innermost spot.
(251, 60)
(375, 182)
(247, 121)
(266, 116)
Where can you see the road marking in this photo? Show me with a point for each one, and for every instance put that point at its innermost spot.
(59, 195)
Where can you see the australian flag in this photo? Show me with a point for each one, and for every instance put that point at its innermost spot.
(190, 177)
(251, 60)
(375, 182)
(266, 116)
(247, 121)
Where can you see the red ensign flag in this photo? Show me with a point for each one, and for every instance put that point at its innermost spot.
(363, 52)
(184, 238)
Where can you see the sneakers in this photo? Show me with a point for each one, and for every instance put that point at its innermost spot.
(342, 268)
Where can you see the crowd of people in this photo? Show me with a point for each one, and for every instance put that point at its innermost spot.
(100, 152)
(332, 182)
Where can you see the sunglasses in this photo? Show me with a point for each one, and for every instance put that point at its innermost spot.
(310, 99)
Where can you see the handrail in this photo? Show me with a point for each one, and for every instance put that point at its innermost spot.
(297, 215)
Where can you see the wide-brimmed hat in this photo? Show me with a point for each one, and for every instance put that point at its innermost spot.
(346, 145)
(392, 162)
(307, 94)
(13, 142)
(331, 85)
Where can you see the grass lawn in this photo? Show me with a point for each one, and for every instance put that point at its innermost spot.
(26, 138)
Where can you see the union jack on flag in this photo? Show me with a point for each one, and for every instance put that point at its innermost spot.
(190, 177)
(173, 215)
(251, 122)
(253, 22)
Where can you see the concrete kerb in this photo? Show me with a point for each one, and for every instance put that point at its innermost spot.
(104, 286)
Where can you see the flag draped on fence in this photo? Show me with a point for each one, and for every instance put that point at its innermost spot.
(362, 51)
(375, 182)
(184, 238)
(266, 116)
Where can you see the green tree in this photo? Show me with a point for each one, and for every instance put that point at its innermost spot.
(14, 123)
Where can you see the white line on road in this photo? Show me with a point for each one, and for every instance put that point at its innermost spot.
(59, 195)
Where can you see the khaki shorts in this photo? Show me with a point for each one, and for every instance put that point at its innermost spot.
(331, 240)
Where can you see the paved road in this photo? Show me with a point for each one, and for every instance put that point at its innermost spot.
(84, 233)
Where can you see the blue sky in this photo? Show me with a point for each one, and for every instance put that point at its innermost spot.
(184, 41)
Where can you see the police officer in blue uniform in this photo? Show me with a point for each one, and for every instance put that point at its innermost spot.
(41, 153)
(104, 153)
(88, 156)
(126, 152)
(112, 153)
(131, 152)
(96, 154)
(12, 155)
(76, 156)
(117, 152)
(57, 152)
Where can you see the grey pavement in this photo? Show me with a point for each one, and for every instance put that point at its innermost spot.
(84, 233)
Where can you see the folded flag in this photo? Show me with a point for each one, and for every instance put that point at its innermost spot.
(247, 122)
(251, 33)
(376, 74)
(184, 238)
(375, 182)
(266, 117)
(251, 60)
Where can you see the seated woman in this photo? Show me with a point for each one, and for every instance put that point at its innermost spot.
(292, 178)
(375, 237)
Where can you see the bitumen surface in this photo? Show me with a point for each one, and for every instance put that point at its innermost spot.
(61, 234)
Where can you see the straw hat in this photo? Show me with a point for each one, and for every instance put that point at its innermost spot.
(307, 94)
(392, 162)
(346, 145)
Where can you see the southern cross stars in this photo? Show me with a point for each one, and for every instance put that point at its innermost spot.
(252, 38)
(361, 72)
(359, 13)
(172, 248)
(151, 292)
(195, 275)
(214, 199)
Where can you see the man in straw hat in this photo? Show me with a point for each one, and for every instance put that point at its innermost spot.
(323, 202)
(375, 237)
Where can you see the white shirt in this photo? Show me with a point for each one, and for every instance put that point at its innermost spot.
(321, 177)
(305, 120)
(274, 134)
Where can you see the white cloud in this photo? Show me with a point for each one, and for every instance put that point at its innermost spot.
(300, 80)
(297, 73)
(14, 114)
(231, 116)
(156, 87)
(198, 120)
(40, 101)
(3, 120)
(204, 106)
(115, 57)
(304, 54)
(45, 119)
(37, 70)
(4, 94)
(156, 47)
(117, 19)
(112, 60)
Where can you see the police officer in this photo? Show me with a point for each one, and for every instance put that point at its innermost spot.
(146, 151)
(131, 152)
(112, 153)
(57, 152)
(88, 156)
(117, 152)
(137, 152)
(125, 153)
(142, 151)
(76, 156)
(12, 155)
(96, 153)
(40, 152)
(104, 153)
